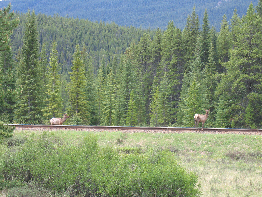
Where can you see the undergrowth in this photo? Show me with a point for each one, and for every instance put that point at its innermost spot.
(46, 164)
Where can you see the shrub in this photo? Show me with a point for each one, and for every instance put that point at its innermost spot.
(88, 169)
(5, 131)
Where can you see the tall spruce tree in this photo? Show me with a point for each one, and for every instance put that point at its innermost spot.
(7, 86)
(205, 39)
(90, 87)
(79, 105)
(161, 107)
(172, 63)
(146, 71)
(190, 35)
(7, 69)
(53, 102)
(193, 98)
(8, 23)
(132, 118)
(28, 84)
(242, 98)
(108, 115)
(259, 8)
(224, 44)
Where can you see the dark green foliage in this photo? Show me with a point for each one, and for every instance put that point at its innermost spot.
(79, 105)
(145, 13)
(7, 86)
(29, 77)
(7, 70)
(53, 99)
(8, 24)
(5, 131)
(163, 78)
(99, 39)
(243, 95)
(87, 169)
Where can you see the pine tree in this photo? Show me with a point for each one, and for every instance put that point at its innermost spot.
(243, 73)
(79, 105)
(53, 100)
(108, 103)
(130, 88)
(7, 86)
(100, 89)
(259, 8)
(224, 43)
(157, 53)
(172, 63)
(205, 39)
(161, 107)
(146, 71)
(132, 113)
(7, 69)
(90, 88)
(8, 24)
(190, 35)
(193, 97)
(29, 101)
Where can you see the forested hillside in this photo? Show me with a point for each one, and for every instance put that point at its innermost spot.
(104, 74)
(141, 13)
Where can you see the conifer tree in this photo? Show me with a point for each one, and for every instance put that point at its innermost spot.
(53, 100)
(8, 24)
(7, 70)
(28, 84)
(79, 105)
(7, 86)
(259, 8)
(108, 102)
(129, 88)
(90, 87)
(157, 53)
(205, 39)
(193, 97)
(161, 107)
(146, 71)
(100, 86)
(243, 74)
(190, 35)
(172, 63)
(132, 113)
(224, 43)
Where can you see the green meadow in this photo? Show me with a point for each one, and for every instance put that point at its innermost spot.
(209, 164)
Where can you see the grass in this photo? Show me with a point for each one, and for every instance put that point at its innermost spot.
(226, 164)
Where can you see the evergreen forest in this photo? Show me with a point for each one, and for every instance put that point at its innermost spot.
(105, 74)
(142, 13)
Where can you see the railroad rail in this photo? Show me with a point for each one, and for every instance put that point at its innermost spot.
(136, 129)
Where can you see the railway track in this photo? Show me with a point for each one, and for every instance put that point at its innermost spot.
(137, 129)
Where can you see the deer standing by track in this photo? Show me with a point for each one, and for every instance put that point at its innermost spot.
(58, 121)
(201, 118)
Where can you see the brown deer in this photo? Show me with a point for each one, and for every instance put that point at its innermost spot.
(201, 118)
(58, 121)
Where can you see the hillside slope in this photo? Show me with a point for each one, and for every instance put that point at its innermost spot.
(141, 13)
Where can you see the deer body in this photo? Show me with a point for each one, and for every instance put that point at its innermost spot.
(58, 121)
(201, 118)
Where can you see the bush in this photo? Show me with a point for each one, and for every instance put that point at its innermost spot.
(5, 131)
(87, 169)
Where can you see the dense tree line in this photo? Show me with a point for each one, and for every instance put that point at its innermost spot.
(103, 74)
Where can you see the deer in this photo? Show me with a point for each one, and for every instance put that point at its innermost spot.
(201, 118)
(58, 121)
